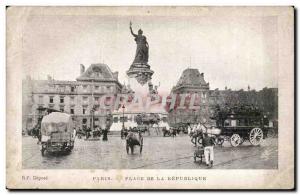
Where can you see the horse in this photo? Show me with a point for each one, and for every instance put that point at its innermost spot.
(196, 137)
(133, 139)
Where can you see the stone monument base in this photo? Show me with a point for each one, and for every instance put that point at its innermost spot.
(141, 72)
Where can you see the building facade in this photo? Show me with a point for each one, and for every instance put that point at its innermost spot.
(191, 82)
(265, 99)
(79, 98)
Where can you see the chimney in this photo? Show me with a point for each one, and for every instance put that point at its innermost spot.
(202, 74)
(82, 69)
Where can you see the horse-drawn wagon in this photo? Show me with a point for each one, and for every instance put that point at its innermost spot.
(134, 138)
(239, 124)
(57, 133)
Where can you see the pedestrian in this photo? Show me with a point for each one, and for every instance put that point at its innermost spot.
(74, 133)
(122, 133)
(195, 134)
(208, 144)
(125, 133)
(105, 131)
(100, 131)
(88, 132)
(189, 129)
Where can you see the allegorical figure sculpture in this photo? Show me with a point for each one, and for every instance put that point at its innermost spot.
(140, 69)
(142, 47)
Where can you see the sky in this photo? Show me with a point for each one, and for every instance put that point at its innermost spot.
(230, 51)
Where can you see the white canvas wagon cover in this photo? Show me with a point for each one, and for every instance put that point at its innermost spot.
(56, 122)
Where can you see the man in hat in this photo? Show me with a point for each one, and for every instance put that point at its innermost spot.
(208, 144)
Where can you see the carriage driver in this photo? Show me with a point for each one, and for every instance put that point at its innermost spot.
(208, 144)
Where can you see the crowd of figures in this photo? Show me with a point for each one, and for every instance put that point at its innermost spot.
(96, 133)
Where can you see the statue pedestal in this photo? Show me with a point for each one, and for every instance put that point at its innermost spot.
(141, 72)
(139, 90)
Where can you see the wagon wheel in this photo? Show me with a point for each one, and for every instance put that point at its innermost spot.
(256, 136)
(242, 141)
(235, 140)
(199, 140)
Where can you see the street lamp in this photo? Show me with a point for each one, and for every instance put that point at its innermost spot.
(123, 120)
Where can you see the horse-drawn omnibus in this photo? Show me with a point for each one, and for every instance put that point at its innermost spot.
(239, 124)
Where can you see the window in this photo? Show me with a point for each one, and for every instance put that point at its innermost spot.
(116, 119)
(125, 119)
(227, 123)
(40, 99)
(61, 88)
(40, 110)
(61, 99)
(254, 122)
(96, 99)
(85, 98)
(72, 99)
(83, 110)
(96, 87)
(241, 122)
(164, 119)
(51, 106)
(84, 87)
(72, 111)
(51, 99)
(96, 122)
(72, 89)
(84, 123)
(61, 108)
(233, 123)
(108, 88)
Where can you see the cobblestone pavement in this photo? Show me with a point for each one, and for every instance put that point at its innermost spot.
(158, 152)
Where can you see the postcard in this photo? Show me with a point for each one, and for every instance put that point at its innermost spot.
(150, 97)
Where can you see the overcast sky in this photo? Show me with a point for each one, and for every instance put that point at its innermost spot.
(230, 51)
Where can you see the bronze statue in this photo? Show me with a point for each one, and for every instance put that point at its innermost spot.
(142, 49)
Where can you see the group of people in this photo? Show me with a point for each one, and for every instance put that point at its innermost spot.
(199, 133)
(97, 132)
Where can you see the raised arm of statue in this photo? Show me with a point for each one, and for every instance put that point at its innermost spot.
(135, 35)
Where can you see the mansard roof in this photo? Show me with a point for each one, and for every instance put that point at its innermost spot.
(98, 72)
(191, 78)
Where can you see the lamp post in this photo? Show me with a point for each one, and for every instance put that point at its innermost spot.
(123, 120)
(123, 125)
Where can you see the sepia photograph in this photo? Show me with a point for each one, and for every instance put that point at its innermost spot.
(136, 96)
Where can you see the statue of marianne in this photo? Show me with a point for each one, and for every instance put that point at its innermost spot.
(142, 47)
